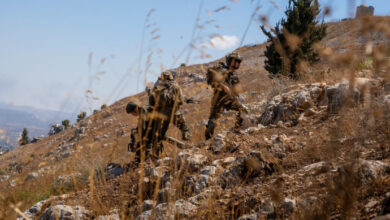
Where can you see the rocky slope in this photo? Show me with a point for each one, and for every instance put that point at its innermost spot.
(317, 148)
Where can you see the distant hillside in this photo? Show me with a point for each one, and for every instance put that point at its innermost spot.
(14, 118)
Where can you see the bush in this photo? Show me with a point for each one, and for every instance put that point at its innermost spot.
(103, 106)
(81, 116)
(24, 138)
(66, 123)
(293, 38)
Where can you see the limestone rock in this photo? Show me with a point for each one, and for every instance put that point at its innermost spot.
(31, 176)
(289, 206)
(113, 170)
(371, 169)
(218, 143)
(113, 215)
(148, 205)
(249, 217)
(288, 106)
(65, 212)
(315, 168)
(34, 210)
(208, 170)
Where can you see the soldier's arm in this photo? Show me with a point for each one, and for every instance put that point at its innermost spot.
(180, 98)
(152, 98)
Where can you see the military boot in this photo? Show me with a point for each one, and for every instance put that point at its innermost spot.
(209, 130)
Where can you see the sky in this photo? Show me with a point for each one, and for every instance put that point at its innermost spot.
(75, 55)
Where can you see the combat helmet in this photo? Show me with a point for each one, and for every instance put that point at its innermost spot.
(167, 75)
(130, 107)
(233, 56)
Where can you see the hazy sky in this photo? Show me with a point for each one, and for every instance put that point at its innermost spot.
(52, 52)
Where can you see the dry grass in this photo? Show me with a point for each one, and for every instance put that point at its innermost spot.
(340, 140)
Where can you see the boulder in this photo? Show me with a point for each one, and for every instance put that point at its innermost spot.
(65, 212)
(276, 146)
(315, 168)
(113, 215)
(184, 209)
(181, 209)
(197, 161)
(289, 206)
(162, 174)
(31, 176)
(204, 196)
(202, 183)
(4, 178)
(166, 161)
(288, 106)
(257, 164)
(208, 170)
(159, 212)
(113, 170)
(187, 159)
(232, 175)
(249, 217)
(267, 209)
(148, 205)
(218, 143)
(256, 129)
(34, 210)
(369, 170)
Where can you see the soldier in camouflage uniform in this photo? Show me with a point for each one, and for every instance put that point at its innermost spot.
(224, 81)
(166, 99)
(143, 139)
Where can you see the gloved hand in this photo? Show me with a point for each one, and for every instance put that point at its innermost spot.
(186, 135)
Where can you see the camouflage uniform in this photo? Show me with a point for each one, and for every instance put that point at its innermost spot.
(143, 137)
(218, 77)
(166, 98)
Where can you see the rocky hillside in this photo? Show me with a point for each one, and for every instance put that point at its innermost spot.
(316, 148)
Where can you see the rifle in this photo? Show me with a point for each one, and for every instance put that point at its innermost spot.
(180, 144)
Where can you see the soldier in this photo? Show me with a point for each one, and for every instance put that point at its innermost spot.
(143, 137)
(224, 81)
(166, 99)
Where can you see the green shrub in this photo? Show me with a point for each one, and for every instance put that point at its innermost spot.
(81, 116)
(292, 39)
(66, 123)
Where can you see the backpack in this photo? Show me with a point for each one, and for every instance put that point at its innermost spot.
(215, 74)
(165, 93)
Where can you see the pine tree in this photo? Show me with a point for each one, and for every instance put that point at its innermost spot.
(293, 38)
(24, 138)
